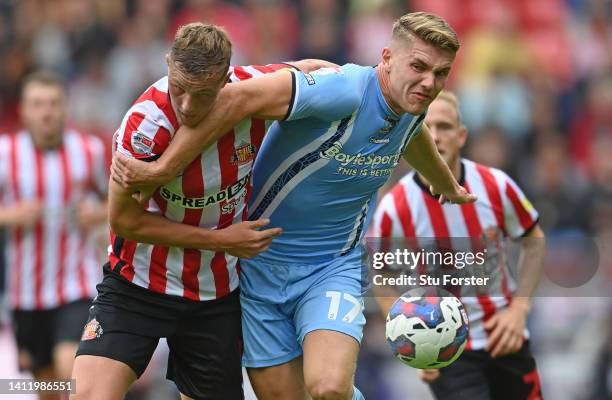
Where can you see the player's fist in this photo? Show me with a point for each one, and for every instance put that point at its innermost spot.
(246, 239)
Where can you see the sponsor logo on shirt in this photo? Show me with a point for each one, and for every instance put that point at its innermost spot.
(229, 195)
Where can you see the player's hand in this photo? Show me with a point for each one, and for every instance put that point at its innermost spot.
(27, 213)
(459, 196)
(429, 375)
(313, 64)
(132, 174)
(506, 329)
(245, 239)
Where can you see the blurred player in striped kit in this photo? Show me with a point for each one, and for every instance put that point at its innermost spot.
(52, 185)
(497, 363)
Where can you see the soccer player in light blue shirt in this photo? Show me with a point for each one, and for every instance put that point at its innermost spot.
(341, 133)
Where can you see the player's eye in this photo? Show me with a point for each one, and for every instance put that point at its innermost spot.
(417, 67)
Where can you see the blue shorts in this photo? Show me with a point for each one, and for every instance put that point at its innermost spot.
(282, 303)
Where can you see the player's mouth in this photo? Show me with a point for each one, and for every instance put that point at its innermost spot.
(421, 96)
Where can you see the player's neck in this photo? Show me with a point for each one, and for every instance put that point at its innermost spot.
(383, 81)
(455, 168)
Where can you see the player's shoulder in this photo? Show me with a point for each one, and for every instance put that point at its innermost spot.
(486, 172)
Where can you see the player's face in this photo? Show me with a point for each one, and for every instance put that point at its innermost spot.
(417, 73)
(193, 97)
(43, 109)
(448, 134)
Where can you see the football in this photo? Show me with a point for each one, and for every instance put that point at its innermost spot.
(427, 328)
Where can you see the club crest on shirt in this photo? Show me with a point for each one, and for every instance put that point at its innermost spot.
(93, 330)
(243, 154)
(141, 143)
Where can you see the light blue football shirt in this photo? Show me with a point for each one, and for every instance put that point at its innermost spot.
(318, 171)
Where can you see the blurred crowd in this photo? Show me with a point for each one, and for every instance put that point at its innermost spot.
(534, 78)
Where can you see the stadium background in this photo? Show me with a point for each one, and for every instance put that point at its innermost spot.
(534, 78)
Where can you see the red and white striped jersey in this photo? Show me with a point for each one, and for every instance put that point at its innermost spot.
(212, 192)
(502, 211)
(53, 262)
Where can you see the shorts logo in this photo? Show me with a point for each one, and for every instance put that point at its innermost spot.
(93, 330)
(244, 154)
(141, 143)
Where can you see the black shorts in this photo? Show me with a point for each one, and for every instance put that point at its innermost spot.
(204, 337)
(475, 375)
(37, 332)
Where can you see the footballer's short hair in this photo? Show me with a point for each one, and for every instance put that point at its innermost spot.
(428, 27)
(201, 50)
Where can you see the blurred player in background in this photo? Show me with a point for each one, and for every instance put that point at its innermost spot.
(53, 188)
(497, 362)
(343, 131)
(168, 277)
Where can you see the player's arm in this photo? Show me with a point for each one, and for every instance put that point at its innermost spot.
(22, 214)
(508, 326)
(422, 155)
(128, 219)
(266, 97)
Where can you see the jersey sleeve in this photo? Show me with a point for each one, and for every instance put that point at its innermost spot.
(242, 72)
(520, 217)
(4, 160)
(329, 94)
(143, 134)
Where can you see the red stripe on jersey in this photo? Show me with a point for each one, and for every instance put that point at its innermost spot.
(524, 217)
(38, 230)
(159, 255)
(474, 228)
(63, 236)
(436, 215)
(193, 186)
(162, 100)
(132, 125)
(403, 210)
(241, 73)
(229, 175)
(493, 194)
(161, 140)
(18, 231)
(386, 225)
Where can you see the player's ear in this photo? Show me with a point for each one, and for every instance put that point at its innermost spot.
(386, 58)
(463, 134)
(167, 58)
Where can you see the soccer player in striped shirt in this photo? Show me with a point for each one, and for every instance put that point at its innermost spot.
(173, 268)
(52, 188)
(343, 131)
(497, 362)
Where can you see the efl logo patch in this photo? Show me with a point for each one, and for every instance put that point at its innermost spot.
(141, 143)
(93, 330)
(244, 154)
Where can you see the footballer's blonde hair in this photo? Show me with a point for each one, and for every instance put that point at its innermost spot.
(428, 27)
(450, 98)
(201, 50)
